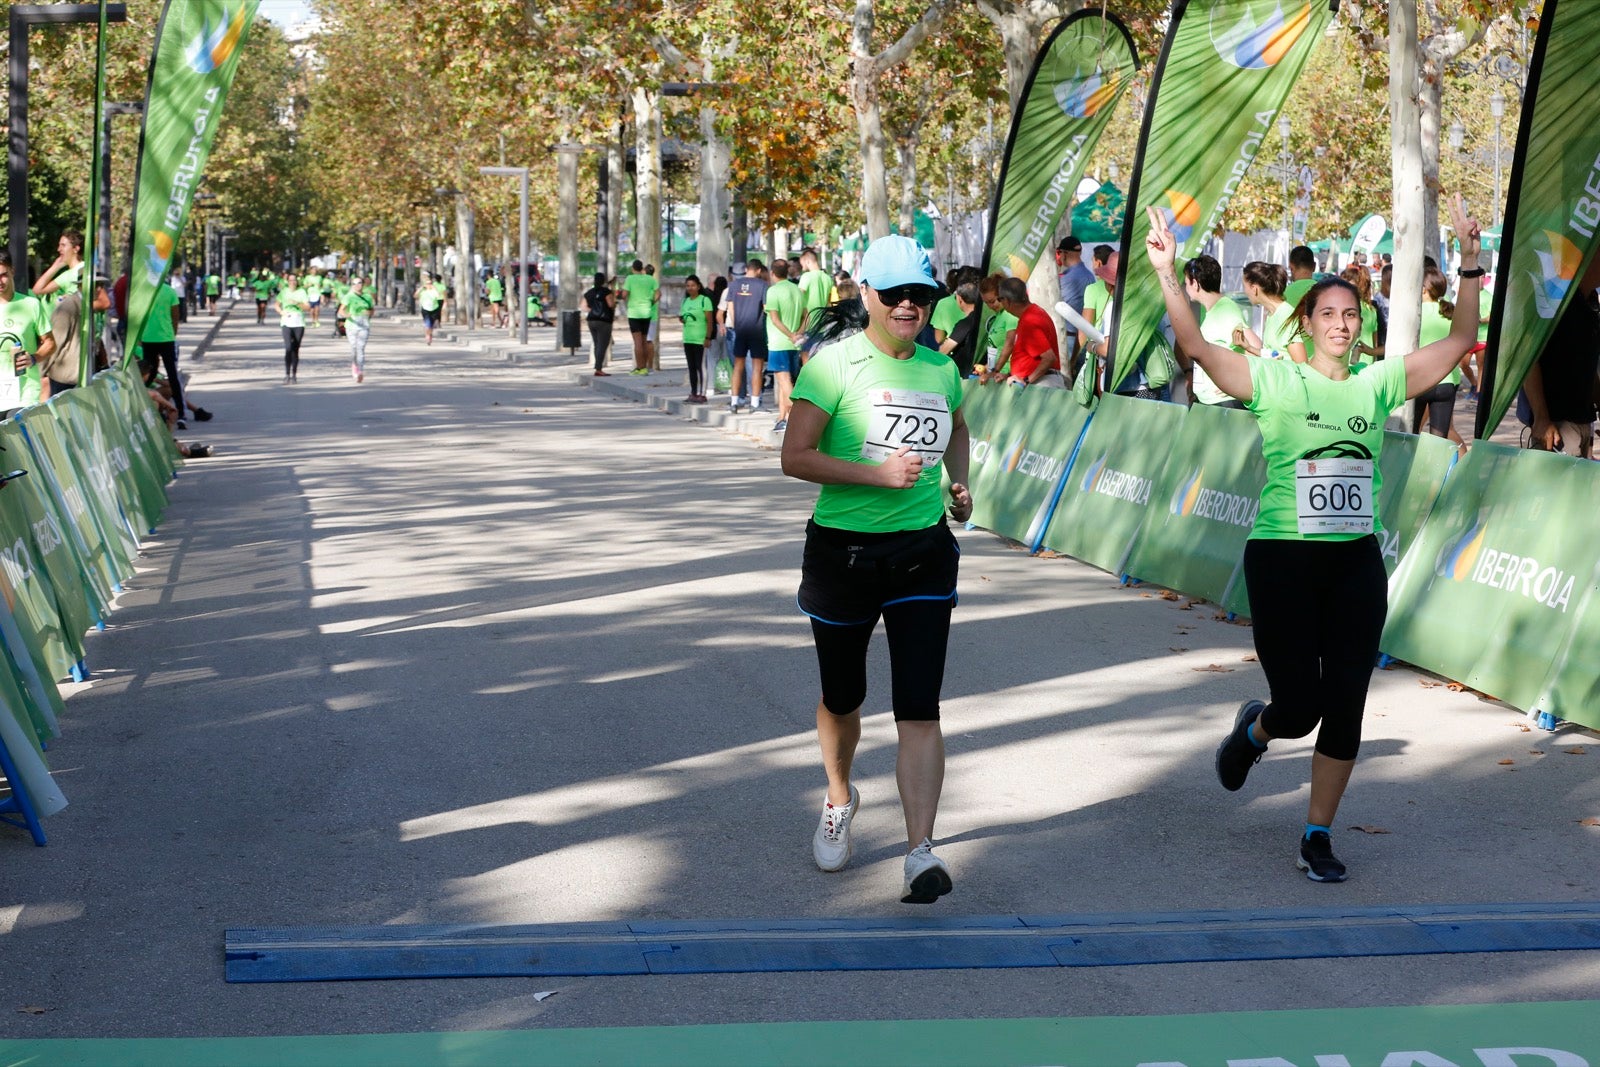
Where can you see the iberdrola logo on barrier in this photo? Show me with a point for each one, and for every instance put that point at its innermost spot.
(1183, 500)
(1011, 457)
(1182, 212)
(160, 254)
(1082, 97)
(1559, 261)
(214, 45)
(1093, 472)
(1260, 35)
(1458, 558)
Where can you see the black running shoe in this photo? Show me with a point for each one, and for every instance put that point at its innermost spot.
(1237, 753)
(1317, 858)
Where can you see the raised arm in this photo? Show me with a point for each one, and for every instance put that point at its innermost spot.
(1227, 369)
(1428, 365)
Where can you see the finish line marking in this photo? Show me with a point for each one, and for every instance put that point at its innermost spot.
(315, 954)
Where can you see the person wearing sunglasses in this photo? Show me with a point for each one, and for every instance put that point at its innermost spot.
(876, 421)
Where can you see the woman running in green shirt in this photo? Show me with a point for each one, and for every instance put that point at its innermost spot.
(1314, 571)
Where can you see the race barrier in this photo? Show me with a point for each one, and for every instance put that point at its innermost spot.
(96, 460)
(1493, 579)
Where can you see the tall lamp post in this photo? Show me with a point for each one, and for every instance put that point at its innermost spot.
(522, 270)
(1497, 108)
(1286, 165)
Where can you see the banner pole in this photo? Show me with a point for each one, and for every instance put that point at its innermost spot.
(92, 250)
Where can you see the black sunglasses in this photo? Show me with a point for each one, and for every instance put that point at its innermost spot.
(919, 295)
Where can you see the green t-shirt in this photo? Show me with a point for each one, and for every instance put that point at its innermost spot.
(1217, 327)
(357, 306)
(818, 287)
(158, 326)
(263, 287)
(695, 312)
(1303, 414)
(902, 401)
(786, 298)
(430, 298)
(329, 286)
(213, 285)
(535, 309)
(495, 289)
(947, 315)
(292, 304)
(641, 290)
(1296, 289)
(1485, 306)
(1369, 332)
(27, 318)
(1096, 297)
(1278, 330)
(1002, 323)
(1435, 327)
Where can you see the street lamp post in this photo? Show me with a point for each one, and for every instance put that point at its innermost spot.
(1286, 165)
(1497, 108)
(522, 271)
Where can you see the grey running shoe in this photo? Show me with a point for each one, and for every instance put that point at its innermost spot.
(1317, 859)
(1237, 753)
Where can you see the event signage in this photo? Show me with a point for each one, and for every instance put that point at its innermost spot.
(1022, 444)
(1225, 70)
(1552, 215)
(196, 54)
(1082, 70)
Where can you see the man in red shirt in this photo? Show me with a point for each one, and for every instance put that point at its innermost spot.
(1035, 355)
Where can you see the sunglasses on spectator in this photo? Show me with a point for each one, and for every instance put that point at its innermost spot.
(919, 295)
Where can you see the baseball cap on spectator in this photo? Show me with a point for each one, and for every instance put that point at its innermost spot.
(896, 260)
(1069, 243)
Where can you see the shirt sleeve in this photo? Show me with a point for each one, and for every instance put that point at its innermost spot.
(819, 381)
(1266, 383)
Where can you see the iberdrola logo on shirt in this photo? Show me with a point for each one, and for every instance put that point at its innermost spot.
(1083, 96)
(1257, 34)
(1182, 212)
(214, 45)
(1559, 261)
(160, 254)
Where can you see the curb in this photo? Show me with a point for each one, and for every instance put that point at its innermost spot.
(652, 392)
(200, 346)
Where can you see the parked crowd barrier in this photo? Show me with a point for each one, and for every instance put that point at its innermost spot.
(1493, 571)
(97, 460)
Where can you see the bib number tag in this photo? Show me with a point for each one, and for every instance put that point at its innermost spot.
(906, 418)
(1334, 495)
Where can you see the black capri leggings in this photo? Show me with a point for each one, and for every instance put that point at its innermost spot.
(600, 336)
(849, 580)
(1317, 609)
(696, 355)
(292, 336)
(1439, 404)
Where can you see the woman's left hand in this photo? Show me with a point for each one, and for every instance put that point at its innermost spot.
(960, 502)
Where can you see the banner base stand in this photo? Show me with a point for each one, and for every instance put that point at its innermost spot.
(1547, 721)
(17, 809)
(1385, 661)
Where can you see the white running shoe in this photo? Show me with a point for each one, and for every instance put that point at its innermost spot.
(830, 845)
(927, 878)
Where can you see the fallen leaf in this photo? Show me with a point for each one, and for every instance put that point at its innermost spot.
(1250, 659)
(1590, 821)
(1185, 607)
(1176, 649)
(1428, 684)
(1167, 594)
(1046, 553)
(1507, 762)
(1524, 727)
(1220, 616)
(1213, 668)
(1579, 751)
(1192, 601)
(1370, 829)
(32, 1011)
(1456, 687)
(1535, 751)
(546, 995)
(1147, 596)
(984, 578)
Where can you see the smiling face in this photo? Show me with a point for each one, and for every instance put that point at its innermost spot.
(1334, 322)
(894, 328)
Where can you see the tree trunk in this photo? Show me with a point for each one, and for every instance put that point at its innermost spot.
(741, 233)
(869, 127)
(647, 173)
(616, 172)
(1428, 103)
(1406, 165)
(466, 277)
(568, 284)
(1020, 25)
(711, 234)
(907, 151)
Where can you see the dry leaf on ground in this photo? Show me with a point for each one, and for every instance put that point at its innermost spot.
(1428, 683)
(1524, 727)
(1456, 687)
(1174, 648)
(984, 578)
(1167, 594)
(1250, 659)
(1578, 751)
(1213, 668)
(1590, 821)
(1147, 596)
(1370, 829)
(1507, 762)
(32, 1011)
(1047, 553)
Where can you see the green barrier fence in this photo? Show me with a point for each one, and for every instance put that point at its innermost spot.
(1493, 589)
(1020, 455)
(69, 528)
(1111, 486)
(1203, 506)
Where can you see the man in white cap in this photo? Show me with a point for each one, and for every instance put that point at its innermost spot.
(875, 421)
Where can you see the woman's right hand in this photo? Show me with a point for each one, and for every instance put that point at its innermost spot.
(901, 470)
(1161, 246)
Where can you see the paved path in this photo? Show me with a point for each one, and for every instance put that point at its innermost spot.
(473, 642)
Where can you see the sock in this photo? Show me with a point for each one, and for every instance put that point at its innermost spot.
(755, 405)
(1250, 732)
(1312, 828)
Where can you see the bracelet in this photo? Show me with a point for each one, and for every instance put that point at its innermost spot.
(1475, 272)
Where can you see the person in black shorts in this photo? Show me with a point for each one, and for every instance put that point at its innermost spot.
(743, 317)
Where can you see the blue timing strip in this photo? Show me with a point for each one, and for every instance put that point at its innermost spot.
(316, 954)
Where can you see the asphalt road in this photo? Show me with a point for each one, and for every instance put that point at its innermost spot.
(473, 642)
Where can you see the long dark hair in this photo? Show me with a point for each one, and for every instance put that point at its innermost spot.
(830, 323)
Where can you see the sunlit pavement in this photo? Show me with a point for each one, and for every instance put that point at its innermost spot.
(473, 642)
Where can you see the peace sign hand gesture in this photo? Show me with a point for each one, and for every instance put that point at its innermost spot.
(1468, 232)
(1161, 245)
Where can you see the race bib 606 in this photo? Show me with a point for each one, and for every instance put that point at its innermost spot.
(906, 418)
(1334, 495)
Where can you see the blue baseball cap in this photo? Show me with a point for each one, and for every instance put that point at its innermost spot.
(896, 260)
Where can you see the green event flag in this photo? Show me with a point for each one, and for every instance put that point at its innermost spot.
(1225, 70)
(1081, 71)
(197, 51)
(1553, 203)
